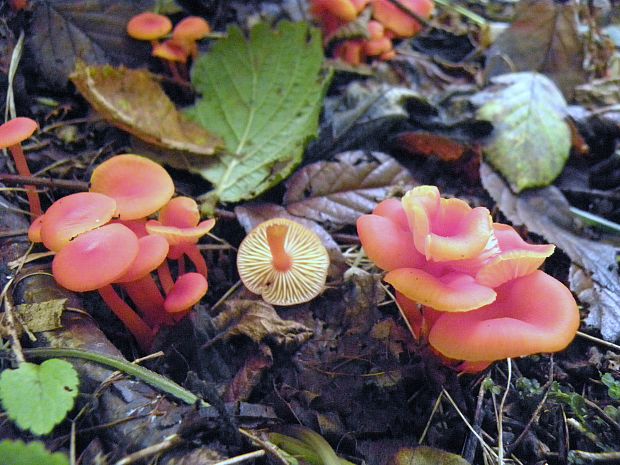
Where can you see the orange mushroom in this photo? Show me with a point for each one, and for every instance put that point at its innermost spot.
(189, 30)
(12, 134)
(534, 313)
(149, 26)
(398, 21)
(186, 292)
(95, 259)
(73, 215)
(283, 261)
(139, 186)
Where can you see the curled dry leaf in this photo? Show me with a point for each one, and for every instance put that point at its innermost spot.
(134, 101)
(543, 37)
(251, 215)
(337, 192)
(546, 212)
(260, 322)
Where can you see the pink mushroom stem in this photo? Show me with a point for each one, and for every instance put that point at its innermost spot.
(22, 169)
(193, 253)
(276, 235)
(147, 297)
(165, 277)
(140, 330)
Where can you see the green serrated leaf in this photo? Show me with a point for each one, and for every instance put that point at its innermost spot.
(33, 453)
(263, 96)
(530, 141)
(38, 397)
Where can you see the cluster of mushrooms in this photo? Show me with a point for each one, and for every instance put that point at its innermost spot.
(470, 286)
(388, 22)
(467, 285)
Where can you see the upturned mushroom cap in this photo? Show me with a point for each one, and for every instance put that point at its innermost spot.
(446, 229)
(139, 186)
(148, 26)
(453, 292)
(16, 131)
(190, 29)
(283, 261)
(171, 50)
(180, 236)
(532, 314)
(344, 10)
(181, 212)
(186, 292)
(516, 257)
(96, 258)
(396, 20)
(73, 215)
(34, 231)
(151, 253)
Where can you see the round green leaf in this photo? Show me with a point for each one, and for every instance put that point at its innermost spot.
(19, 453)
(38, 397)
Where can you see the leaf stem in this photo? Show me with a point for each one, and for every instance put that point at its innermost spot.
(144, 374)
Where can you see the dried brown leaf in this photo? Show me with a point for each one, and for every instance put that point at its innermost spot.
(337, 192)
(241, 386)
(134, 101)
(546, 212)
(543, 37)
(260, 322)
(37, 317)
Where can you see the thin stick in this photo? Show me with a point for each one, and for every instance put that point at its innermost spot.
(500, 414)
(16, 179)
(602, 342)
(165, 445)
(242, 458)
(16, 345)
(428, 423)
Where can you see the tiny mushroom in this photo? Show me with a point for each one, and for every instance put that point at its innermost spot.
(189, 30)
(12, 134)
(399, 22)
(186, 292)
(283, 261)
(149, 26)
(139, 186)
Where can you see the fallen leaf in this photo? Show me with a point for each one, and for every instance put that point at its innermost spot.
(44, 316)
(134, 101)
(336, 193)
(263, 96)
(531, 141)
(260, 322)
(547, 213)
(251, 215)
(430, 144)
(240, 387)
(423, 455)
(543, 37)
(65, 31)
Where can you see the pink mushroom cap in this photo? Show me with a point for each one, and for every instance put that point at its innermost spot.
(186, 292)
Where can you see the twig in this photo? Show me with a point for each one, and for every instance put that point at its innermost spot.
(242, 458)
(428, 423)
(602, 342)
(13, 179)
(16, 345)
(144, 374)
(158, 448)
(500, 415)
(469, 451)
(267, 446)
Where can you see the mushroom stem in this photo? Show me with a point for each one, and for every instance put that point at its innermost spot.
(193, 253)
(165, 277)
(147, 297)
(276, 236)
(181, 265)
(131, 320)
(22, 168)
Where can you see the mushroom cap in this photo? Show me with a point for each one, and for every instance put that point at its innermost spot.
(452, 292)
(344, 10)
(73, 215)
(139, 186)
(190, 29)
(532, 314)
(34, 231)
(446, 229)
(402, 24)
(516, 257)
(420, 318)
(306, 275)
(148, 26)
(171, 50)
(181, 212)
(96, 258)
(186, 292)
(151, 253)
(17, 130)
(180, 236)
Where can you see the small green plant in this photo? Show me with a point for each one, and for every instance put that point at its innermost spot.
(613, 386)
(38, 397)
(20, 453)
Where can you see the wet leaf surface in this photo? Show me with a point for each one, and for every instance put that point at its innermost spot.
(44, 316)
(134, 101)
(543, 37)
(546, 212)
(530, 142)
(66, 31)
(335, 193)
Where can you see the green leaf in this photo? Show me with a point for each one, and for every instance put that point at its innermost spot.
(530, 141)
(38, 397)
(33, 453)
(263, 96)
(612, 385)
(423, 455)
